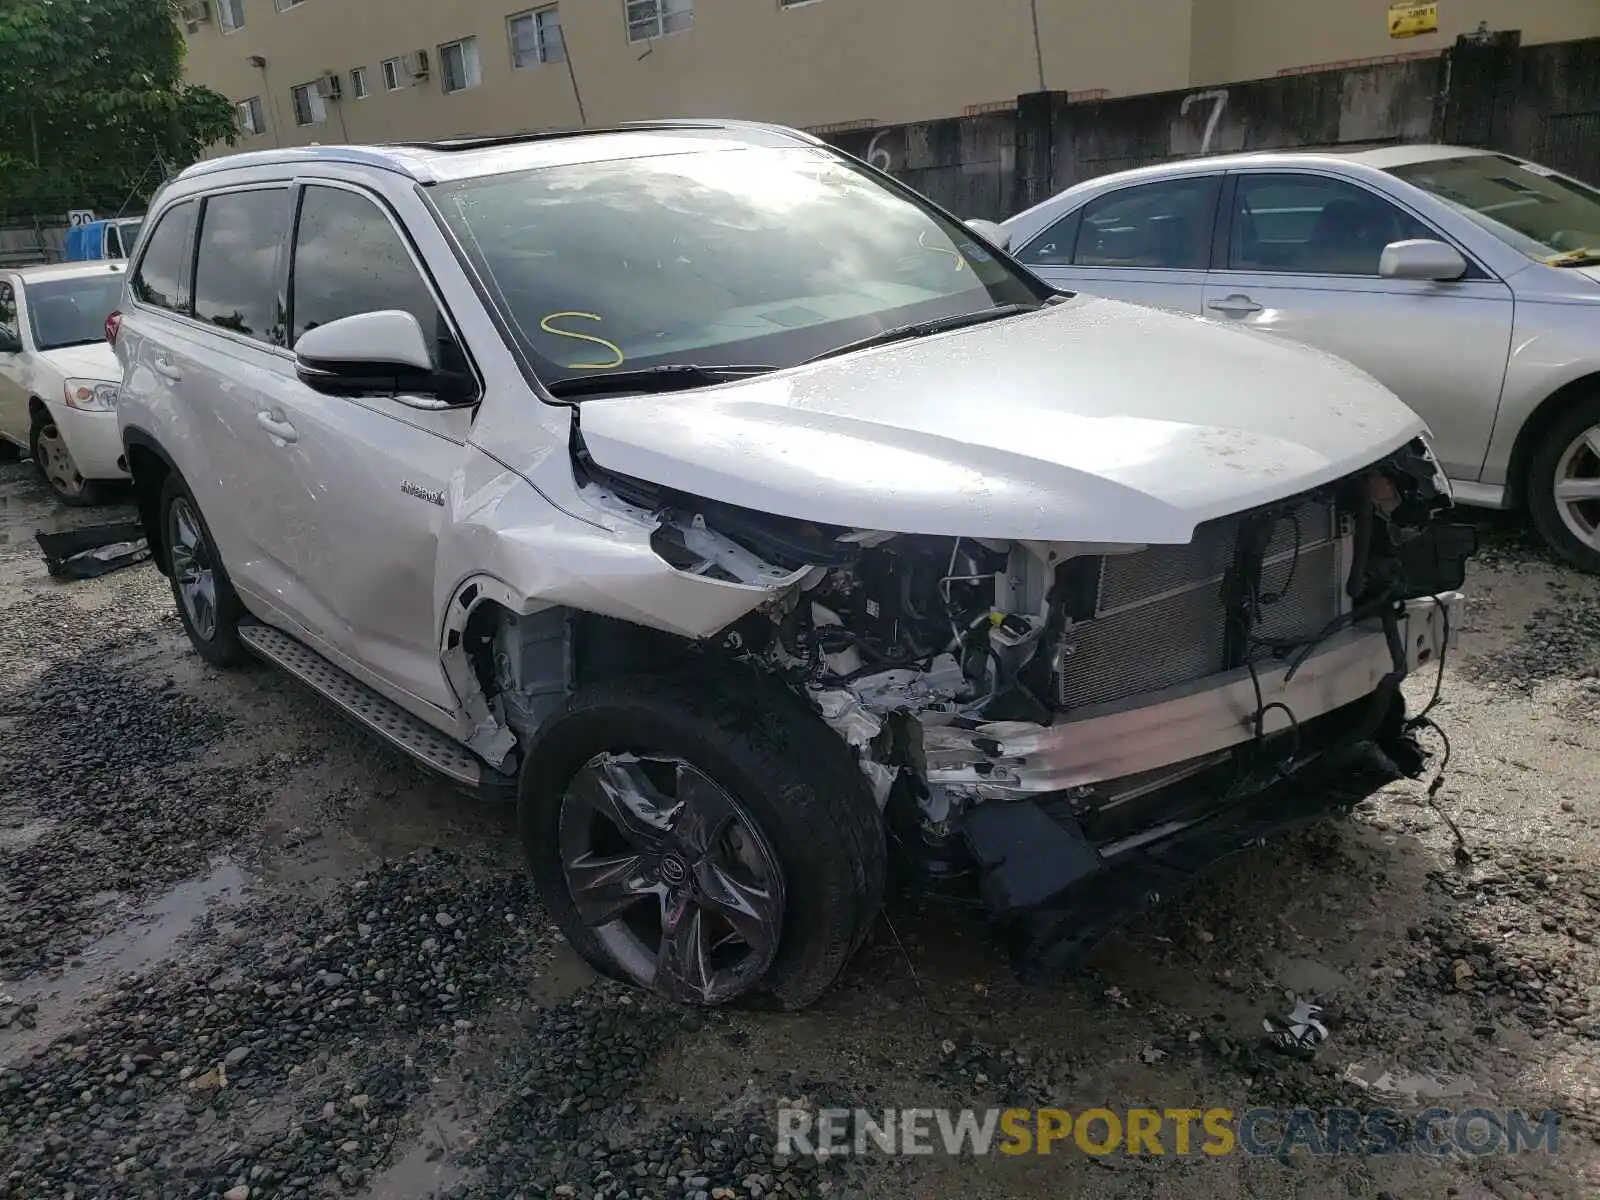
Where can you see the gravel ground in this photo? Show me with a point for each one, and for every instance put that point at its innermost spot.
(246, 952)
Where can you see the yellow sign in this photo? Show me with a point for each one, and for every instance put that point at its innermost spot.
(1408, 20)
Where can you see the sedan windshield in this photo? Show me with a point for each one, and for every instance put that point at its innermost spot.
(1544, 215)
(714, 257)
(72, 312)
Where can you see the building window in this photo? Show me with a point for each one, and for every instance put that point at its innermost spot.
(458, 63)
(794, 3)
(358, 82)
(230, 15)
(536, 38)
(308, 106)
(252, 119)
(394, 74)
(654, 18)
(286, 5)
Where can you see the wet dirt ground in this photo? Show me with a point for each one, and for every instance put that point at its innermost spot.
(247, 952)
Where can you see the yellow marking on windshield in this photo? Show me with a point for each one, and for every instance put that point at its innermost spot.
(960, 261)
(584, 337)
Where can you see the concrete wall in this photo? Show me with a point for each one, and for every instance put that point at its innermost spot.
(1540, 101)
(812, 63)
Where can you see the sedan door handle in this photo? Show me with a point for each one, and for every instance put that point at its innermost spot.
(277, 426)
(1235, 305)
(166, 369)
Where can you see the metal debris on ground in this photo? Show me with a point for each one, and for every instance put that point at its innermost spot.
(94, 551)
(1301, 1033)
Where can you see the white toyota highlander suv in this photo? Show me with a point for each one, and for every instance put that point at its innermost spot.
(752, 520)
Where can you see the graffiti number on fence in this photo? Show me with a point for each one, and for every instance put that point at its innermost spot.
(878, 156)
(1219, 101)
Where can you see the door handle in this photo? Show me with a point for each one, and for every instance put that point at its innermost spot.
(1235, 305)
(277, 426)
(166, 369)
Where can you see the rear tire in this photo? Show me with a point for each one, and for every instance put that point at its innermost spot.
(1562, 474)
(207, 604)
(809, 836)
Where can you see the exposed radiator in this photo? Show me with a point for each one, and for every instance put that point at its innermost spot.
(1161, 618)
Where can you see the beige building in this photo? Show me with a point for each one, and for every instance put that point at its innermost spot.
(379, 70)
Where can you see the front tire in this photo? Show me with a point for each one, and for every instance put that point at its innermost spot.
(705, 836)
(54, 463)
(1564, 485)
(207, 604)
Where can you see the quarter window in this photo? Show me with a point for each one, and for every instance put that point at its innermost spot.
(8, 309)
(162, 279)
(655, 18)
(349, 259)
(536, 38)
(1310, 225)
(236, 267)
(1164, 225)
(458, 63)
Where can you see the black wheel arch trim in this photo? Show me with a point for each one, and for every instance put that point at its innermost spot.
(148, 499)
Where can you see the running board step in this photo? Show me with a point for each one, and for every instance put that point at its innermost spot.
(378, 713)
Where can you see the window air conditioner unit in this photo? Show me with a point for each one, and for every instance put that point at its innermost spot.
(417, 64)
(329, 87)
(196, 13)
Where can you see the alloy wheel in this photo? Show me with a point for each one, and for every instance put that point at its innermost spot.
(193, 567)
(672, 874)
(1577, 487)
(55, 461)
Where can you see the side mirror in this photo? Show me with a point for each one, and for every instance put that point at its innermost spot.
(378, 353)
(1421, 258)
(10, 343)
(990, 231)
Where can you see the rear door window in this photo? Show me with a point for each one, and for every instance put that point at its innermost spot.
(236, 267)
(1165, 225)
(162, 279)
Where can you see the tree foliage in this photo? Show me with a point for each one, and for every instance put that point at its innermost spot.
(93, 106)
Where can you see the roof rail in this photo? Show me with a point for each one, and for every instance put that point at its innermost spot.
(490, 140)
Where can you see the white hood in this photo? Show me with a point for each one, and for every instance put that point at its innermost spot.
(1091, 420)
(97, 361)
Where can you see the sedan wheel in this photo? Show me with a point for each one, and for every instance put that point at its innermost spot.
(1577, 487)
(673, 876)
(56, 466)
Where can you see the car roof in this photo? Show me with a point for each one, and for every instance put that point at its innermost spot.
(70, 270)
(1382, 157)
(467, 157)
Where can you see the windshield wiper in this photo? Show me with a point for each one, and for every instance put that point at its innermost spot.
(903, 333)
(669, 377)
(1583, 257)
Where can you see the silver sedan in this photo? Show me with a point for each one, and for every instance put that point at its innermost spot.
(1467, 281)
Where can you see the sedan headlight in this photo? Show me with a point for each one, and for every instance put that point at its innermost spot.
(92, 395)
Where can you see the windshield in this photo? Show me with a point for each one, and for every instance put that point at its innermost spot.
(72, 312)
(711, 257)
(1542, 214)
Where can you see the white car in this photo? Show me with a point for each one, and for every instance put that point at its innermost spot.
(59, 379)
(1468, 282)
(745, 515)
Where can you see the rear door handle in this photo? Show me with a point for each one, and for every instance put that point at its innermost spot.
(277, 426)
(1235, 305)
(166, 369)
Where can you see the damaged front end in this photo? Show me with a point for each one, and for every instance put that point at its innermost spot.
(1044, 712)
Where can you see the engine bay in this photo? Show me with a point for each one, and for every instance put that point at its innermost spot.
(936, 657)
